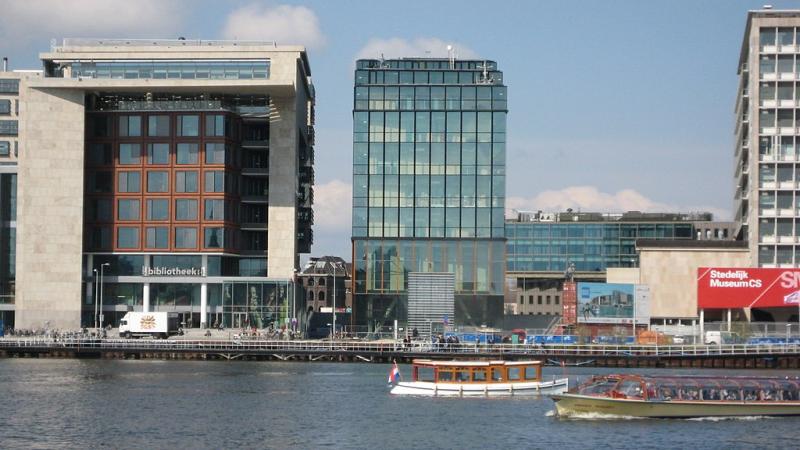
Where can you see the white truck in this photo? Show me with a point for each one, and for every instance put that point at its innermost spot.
(155, 324)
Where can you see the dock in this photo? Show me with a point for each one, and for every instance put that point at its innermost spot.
(739, 356)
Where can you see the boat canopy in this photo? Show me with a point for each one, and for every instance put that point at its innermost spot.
(708, 388)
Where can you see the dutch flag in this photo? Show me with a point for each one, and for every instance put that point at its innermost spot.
(394, 374)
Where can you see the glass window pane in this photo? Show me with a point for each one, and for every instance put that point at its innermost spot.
(158, 181)
(157, 209)
(185, 237)
(189, 125)
(158, 153)
(185, 209)
(186, 153)
(129, 153)
(158, 126)
(128, 237)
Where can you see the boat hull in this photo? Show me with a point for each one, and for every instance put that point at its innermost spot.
(571, 405)
(479, 389)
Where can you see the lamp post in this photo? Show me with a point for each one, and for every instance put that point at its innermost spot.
(333, 332)
(102, 266)
(294, 297)
(96, 296)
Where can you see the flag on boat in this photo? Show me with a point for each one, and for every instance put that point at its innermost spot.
(394, 374)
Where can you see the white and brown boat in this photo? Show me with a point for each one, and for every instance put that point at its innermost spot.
(477, 378)
(681, 396)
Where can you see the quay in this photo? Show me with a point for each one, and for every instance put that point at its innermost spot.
(739, 356)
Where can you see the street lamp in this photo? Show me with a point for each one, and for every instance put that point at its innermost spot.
(102, 266)
(294, 298)
(333, 332)
(96, 296)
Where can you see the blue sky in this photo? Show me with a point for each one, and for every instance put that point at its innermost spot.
(613, 105)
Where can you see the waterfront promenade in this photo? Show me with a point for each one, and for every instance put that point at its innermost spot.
(689, 356)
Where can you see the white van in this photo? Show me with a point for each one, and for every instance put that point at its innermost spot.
(721, 337)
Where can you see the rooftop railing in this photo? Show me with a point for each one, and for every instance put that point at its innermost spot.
(66, 43)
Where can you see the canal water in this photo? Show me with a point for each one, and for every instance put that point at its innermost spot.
(191, 404)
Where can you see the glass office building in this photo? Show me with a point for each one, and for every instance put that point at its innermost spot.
(428, 185)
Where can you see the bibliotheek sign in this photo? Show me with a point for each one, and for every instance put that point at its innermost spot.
(725, 287)
(173, 272)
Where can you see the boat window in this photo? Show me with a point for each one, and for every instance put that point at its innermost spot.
(631, 388)
(462, 375)
(709, 393)
(425, 374)
(750, 394)
(479, 375)
(514, 373)
(601, 386)
(531, 373)
(667, 393)
(690, 393)
(497, 374)
(768, 394)
(730, 393)
(445, 375)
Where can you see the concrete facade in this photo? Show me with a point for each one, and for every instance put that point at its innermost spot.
(670, 271)
(50, 209)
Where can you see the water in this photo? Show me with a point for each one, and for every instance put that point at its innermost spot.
(225, 404)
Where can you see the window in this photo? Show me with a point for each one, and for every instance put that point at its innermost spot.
(539, 300)
(185, 237)
(217, 125)
(9, 86)
(186, 153)
(128, 182)
(5, 148)
(100, 210)
(128, 237)
(9, 128)
(158, 181)
(130, 126)
(100, 238)
(158, 153)
(185, 209)
(102, 182)
(214, 209)
(99, 126)
(188, 125)
(557, 300)
(158, 126)
(128, 209)
(215, 181)
(214, 238)
(215, 153)
(129, 153)
(157, 209)
(530, 299)
(101, 154)
(5, 106)
(157, 237)
(548, 299)
(186, 181)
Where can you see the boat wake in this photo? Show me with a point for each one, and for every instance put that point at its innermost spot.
(591, 416)
(721, 419)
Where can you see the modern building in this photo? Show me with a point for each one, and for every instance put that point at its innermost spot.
(175, 174)
(766, 173)
(9, 151)
(324, 280)
(428, 185)
(541, 247)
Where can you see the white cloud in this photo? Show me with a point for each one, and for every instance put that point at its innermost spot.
(591, 199)
(284, 24)
(332, 206)
(25, 21)
(421, 47)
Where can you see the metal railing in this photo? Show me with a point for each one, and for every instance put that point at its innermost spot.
(392, 347)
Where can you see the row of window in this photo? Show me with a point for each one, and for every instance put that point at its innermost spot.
(100, 210)
(434, 158)
(780, 200)
(431, 98)
(9, 128)
(517, 230)
(185, 70)
(780, 146)
(582, 263)
(186, 125)
(463, 77)
(157, 181)
(770, 36)
(590, 248)
(444, 64)
(782, 118)
(185, 153)
(781, 254)
(556, 300)
(786, 65)
(389, 188)
(780, 228)
(9, 86)
(158, 237)
(782, 90)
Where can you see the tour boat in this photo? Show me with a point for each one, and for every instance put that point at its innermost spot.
(681, 396)
(477, 378)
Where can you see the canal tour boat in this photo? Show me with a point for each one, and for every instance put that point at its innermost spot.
(476, 378)
(681, 397)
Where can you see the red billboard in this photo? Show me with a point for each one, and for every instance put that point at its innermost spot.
(736, 287)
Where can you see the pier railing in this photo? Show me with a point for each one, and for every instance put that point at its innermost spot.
(384, 347)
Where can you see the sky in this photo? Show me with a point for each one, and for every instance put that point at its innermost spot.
(613, 105)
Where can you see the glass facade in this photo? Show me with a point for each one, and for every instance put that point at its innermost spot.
(428, 179)
(591, 247)
(185, 70)
(8, 232)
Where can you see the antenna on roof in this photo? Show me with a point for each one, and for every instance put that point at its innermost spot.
(451, 56)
